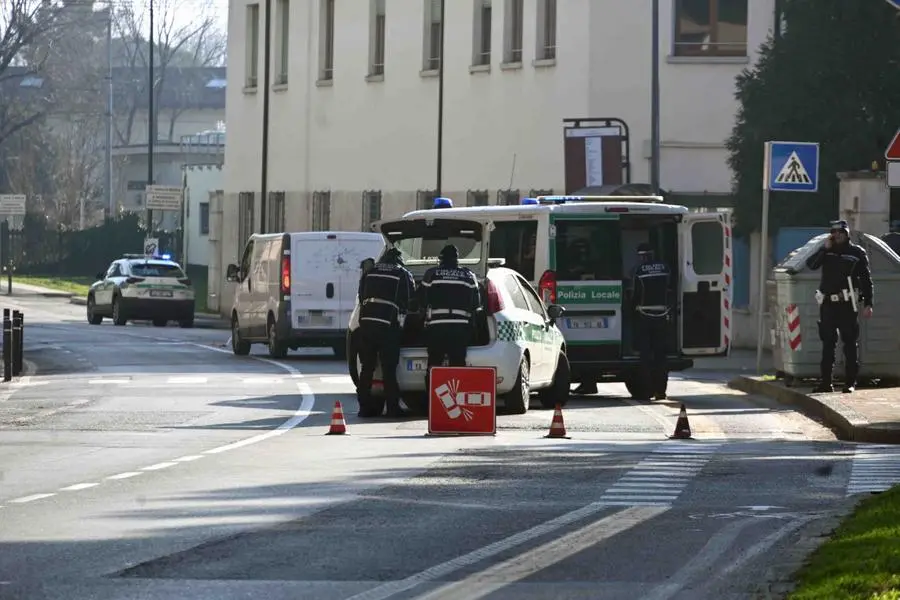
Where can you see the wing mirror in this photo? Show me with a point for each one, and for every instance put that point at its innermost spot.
(231, 273)
(555, 311)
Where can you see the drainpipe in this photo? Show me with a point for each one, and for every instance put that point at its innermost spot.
(264, 167)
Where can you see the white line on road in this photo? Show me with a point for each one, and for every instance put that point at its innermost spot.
(190, 458)
(127, 475)
(526, 564)
(32, 498)
(78, 487)
(108, 381)
(186, 379)
(159, 466)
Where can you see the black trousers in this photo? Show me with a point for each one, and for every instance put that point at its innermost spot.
(651, 340)
(834, 318)
(446, 341)
(379, 344)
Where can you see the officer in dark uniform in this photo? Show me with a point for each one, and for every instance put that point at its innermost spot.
(450, 297)
(650, 282)
(845, 273)
(386, 291)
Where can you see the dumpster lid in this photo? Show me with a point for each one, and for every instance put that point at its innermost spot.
(795, 262)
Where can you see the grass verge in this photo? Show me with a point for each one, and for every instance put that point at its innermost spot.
(861, 561)
(74, 285)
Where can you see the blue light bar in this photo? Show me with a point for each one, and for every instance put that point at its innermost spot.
(529, 201)
(166, 256)
(442, 203)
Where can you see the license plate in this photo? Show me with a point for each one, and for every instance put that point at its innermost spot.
(596, 323)
(417, 364)
(315, 320)
(160, 293)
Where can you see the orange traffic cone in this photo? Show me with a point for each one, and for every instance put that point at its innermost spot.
(557, 426)
(682, 427)
(338, 425)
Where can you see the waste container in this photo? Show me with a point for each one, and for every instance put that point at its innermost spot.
(797, 349)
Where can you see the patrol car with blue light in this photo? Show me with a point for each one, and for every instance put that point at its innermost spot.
(579, 252)
(516, 332)
(142, 288)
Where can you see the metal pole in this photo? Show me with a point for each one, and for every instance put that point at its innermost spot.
(763, 272)
(654, 102)
(109, 110)
(151, 123)
(16, 343)
(264, 167)
(21, 341)
(440, 118)
(7, 346)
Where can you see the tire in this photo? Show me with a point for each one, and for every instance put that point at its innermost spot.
(160, 322)
(92, 317)
(239, 346)
(117, 316)
(518, 398)
(277, 348)
(186, 323)
(637, 387)
(352, 356)
(558, 392)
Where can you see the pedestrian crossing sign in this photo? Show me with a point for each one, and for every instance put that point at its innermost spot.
(792, 167)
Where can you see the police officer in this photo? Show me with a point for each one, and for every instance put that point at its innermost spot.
(450, 297)
(845, 272)
(386, 291)
(650, 282)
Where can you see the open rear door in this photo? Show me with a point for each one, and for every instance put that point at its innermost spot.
(705, 307)
(421, 239)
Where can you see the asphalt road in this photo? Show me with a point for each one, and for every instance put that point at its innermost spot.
(147, 463)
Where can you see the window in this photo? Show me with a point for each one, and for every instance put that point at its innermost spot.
(534, 303)
(477, 198)
(204, 218)
(515, 293)
(245, 217)
(377, 41)
(275, 212)
(245, 261)
(425, 199)
(507, 197)
(148, 269)
(326, 41)
(282, 59)
(707, 247)
(252, 67)
(321, 211)
(515, 242)
(588, 250)
(546, 30)
(710, 28)
(481, 51)
(514, 30)
(433, 32)
(371, 209)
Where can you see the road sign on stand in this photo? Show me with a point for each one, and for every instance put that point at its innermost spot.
(462, 401)
(892, 155)
(151, 246)
(164, 197)
(792, 167)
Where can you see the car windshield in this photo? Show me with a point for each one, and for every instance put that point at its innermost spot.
(421, 243)
(156, 270)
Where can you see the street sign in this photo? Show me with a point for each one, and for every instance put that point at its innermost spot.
(893, 174)
(792, 167)
(892, 152)
(164, 197)
(151, 246)
(12, 205)
(463, 400)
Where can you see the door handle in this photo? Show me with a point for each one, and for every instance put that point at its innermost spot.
(329, 290)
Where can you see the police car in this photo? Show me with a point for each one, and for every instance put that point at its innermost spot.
(138, 287)
(516, 332)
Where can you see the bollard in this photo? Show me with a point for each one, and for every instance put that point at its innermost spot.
(21, 341)
(7, 343)
(16, 343)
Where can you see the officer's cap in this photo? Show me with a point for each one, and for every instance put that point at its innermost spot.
(449, 252)
(840, 226)
(644, 249)
(391, 255)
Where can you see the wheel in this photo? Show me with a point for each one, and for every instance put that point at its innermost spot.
(239, 346)
(352, 356)
(340, 350)
(558, 392)
(277, 348)
(160, 322)
(519, 397)
(637, 387)
(92, 317)
(118, 318)
(186, 323)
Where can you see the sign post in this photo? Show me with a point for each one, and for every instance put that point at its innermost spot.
(462, 401)
(787, 167)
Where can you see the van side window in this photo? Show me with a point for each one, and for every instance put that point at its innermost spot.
(245, 261)
(515, 241)
(588, 250)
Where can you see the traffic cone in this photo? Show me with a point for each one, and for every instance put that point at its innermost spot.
(338, 425)
(557, 426)
(682, 427)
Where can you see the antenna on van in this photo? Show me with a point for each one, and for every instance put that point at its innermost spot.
(512, 172)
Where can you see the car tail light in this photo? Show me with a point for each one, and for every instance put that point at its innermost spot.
(285, 274)
(547, 287)
(184, 281)
(494, 299)
(134, 280)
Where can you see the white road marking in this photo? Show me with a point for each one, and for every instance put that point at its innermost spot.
(526, 564)
(337, 379)
(187, 379)
(159, 466)
(127, 475)
(437, 572)
(78, 487)
(32, 498)
(188, 458)
(875, 469)
(108, 381)
(24, 382)
(260, 380)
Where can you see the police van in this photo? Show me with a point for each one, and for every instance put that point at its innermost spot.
(579, 252)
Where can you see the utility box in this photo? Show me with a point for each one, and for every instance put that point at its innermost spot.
(797, 349)
(865, 201)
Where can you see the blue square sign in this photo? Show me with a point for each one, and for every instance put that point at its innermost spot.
(792, 166)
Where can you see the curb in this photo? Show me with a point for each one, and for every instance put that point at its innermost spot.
(842, 419)
(78, 300)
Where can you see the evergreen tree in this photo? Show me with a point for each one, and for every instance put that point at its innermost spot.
(834, 78)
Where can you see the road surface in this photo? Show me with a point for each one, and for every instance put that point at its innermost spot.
(149, 463)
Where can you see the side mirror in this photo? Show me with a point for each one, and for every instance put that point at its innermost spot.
(231, 273)
(101, 275)
(555, 311)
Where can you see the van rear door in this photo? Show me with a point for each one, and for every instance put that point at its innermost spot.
(353, 248)
(705, 315)
(315, 281)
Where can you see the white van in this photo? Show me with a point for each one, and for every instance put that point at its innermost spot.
(298, 289)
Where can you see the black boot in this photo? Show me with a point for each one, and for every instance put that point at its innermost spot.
(823, 388)
(394, 411)
(586, 388)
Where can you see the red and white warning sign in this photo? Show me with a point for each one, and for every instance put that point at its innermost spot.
(795, 339)
(463, 400)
